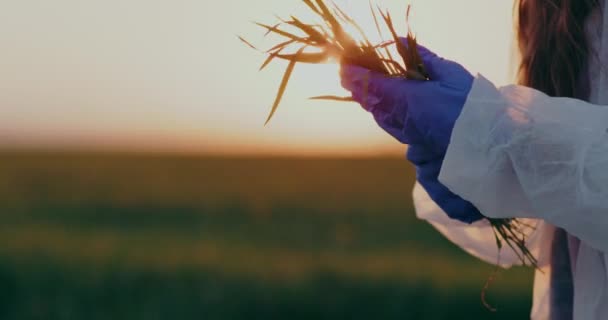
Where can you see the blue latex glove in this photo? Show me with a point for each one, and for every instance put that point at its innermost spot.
(414, 111)
(428, 167)
(421, 114)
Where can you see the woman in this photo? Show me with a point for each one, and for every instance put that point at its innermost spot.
(535, 151)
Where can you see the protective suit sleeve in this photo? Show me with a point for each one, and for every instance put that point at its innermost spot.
(518, 153)
(478, 238)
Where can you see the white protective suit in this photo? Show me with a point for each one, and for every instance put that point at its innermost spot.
(516, 152)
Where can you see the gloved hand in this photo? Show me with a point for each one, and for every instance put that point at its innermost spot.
(421, 114)
(428, 167)
(414, 111)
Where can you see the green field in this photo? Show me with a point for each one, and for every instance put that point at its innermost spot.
(152, 236)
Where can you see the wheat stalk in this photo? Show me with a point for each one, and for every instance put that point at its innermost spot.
(329, 40)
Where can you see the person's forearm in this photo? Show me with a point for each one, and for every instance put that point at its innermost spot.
(516, 152)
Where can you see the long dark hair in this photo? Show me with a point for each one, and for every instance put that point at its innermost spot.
(553, 45)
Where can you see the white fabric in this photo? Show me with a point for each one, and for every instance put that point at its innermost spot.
(517, 153)
(476, 239)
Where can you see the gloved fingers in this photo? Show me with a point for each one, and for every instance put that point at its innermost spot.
(374, 90)
(359, 81)
(428, 58)
(353, 78)
(428, 168)
(453, 205)
(404, 131)
(440, 69)
(431, 63)
(420, 154)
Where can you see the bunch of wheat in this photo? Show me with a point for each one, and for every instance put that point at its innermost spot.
(320, 42)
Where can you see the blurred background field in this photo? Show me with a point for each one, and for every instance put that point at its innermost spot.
(175, 235)
(87, 235)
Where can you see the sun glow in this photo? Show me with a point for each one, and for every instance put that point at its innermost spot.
(176, 77)
(447, 34)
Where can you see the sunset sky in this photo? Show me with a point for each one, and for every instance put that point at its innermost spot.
(171, 74)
